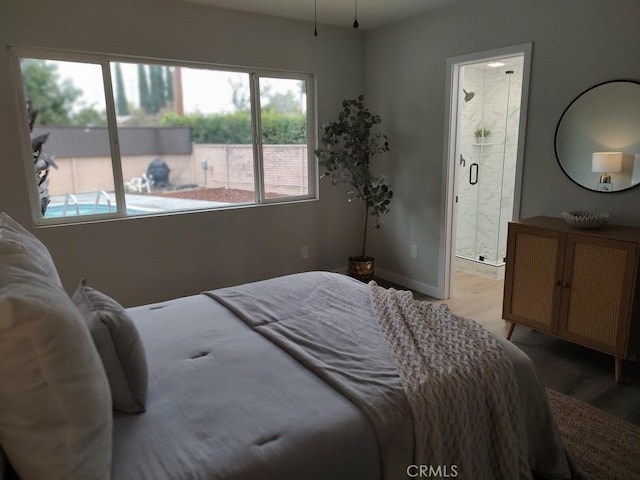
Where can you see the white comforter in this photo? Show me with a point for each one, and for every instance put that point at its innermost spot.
(286, 379)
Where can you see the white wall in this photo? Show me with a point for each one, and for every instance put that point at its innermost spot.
(401, 67)
(143, 260)
(576, 44)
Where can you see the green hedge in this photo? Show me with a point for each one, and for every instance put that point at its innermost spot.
(235, 128)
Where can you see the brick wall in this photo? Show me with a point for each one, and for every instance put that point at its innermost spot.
(227, 166)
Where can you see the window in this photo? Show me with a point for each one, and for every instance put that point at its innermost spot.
(126, 138)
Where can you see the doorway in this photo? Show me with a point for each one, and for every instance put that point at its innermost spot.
(486, 122)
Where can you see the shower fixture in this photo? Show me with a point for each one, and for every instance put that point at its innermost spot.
(463, 162)
(468, 95)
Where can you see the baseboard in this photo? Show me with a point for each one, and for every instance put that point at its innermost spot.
(407, 282)
(398, 280)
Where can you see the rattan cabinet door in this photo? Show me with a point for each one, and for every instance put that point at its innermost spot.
(533, 277)
(596, 293)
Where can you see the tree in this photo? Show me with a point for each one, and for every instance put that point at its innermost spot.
(143, 89)
(59, 101)
(168, 80)
(283, 103)
(90, 117)
(156, 81)
(122, 107)
(240, 94)
(346, 148)
(235, 128)
(42, 87)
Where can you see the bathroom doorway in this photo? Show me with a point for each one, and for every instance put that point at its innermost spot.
(487, 99)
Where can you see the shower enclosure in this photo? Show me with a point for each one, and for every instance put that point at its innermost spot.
(487, 144)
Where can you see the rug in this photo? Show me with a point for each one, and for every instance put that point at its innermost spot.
(604, 446)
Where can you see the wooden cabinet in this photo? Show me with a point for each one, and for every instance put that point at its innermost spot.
(579, 285)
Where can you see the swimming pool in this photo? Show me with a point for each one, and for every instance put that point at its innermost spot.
(56, 210)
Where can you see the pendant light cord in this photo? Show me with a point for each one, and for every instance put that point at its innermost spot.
(315, 18)
(355, 15)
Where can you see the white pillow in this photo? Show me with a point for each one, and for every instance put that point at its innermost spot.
(55, 406)
(15, 239)
(119, 346)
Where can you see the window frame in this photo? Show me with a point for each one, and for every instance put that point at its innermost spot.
(104, 61)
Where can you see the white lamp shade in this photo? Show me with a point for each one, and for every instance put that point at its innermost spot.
(606, 162)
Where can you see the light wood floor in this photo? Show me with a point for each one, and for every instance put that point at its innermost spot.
(479, 298)
(563, 366)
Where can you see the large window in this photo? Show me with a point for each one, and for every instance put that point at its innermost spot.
(119, 138)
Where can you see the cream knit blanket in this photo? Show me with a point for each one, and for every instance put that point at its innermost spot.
(461, 388)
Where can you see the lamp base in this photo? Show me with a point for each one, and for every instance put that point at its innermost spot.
(605, 178)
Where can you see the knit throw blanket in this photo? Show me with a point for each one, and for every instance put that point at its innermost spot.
(461, 388)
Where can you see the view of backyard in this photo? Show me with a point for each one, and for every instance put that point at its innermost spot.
(197, 124)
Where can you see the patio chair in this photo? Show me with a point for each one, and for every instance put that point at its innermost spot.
(139, 184)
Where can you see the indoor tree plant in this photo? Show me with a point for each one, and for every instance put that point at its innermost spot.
(345, 151)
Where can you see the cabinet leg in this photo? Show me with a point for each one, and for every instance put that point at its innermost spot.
(618, 370)
(510, 332)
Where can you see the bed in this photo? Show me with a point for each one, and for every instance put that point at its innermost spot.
(288, 378)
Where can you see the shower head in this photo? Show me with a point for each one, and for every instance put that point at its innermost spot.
(468, 95)
(509, 72)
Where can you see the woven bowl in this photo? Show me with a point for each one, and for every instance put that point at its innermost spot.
(585, 220)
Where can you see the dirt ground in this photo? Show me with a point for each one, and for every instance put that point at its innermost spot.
(229, 195)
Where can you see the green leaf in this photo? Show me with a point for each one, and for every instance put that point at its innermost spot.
(345, 151)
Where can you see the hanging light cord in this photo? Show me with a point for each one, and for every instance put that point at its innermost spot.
(315, 18)
(355, 15)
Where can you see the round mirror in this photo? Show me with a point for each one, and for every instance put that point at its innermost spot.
(597, 139)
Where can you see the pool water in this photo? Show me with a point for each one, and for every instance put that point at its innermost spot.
(56, 210)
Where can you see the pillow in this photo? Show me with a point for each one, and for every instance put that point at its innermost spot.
(119, 345)
(15, 239)
(55, 411)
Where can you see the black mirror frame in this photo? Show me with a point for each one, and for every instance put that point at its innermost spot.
(555, 136)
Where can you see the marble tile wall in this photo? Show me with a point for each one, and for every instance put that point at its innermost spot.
(485, 208)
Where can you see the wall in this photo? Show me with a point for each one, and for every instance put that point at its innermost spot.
(576, 44)
(227, 166)
(151, 259)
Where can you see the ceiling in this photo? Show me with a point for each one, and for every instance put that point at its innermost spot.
(371, 13)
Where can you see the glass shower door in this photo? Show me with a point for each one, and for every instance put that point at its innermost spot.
(486, 169)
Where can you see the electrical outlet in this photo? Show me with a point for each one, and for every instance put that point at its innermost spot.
(304, 252)
(414, 252)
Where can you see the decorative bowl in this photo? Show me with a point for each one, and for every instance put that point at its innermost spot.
(583, 219)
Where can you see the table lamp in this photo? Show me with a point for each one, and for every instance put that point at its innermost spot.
(606, 163)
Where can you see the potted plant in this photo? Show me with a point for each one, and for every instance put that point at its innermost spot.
(346, 148)
(41, 161)
(481, 134)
